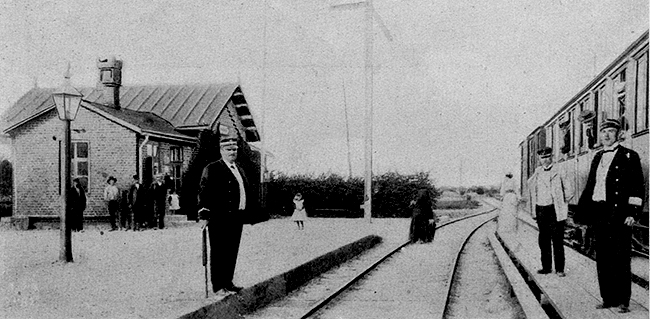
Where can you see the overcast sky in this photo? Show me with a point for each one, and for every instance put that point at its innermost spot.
(460, 85)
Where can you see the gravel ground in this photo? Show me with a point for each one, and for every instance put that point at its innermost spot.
(481, 289)
(155, 273)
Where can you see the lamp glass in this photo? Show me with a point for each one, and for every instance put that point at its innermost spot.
(67, 101)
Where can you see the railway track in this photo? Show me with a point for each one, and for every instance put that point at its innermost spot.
(636, 254)
(407, 275)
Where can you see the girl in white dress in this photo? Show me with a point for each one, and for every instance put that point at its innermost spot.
(299, 213)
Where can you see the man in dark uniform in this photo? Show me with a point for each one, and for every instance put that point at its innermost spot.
(222, 202)
(610, 202)
(136, 203)
(158, 195)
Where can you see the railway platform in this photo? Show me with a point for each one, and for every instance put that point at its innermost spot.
(577, 294)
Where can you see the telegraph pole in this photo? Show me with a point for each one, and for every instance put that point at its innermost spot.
(369, 83)
(347, 131)
(369, 13)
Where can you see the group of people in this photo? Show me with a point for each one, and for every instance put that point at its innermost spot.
(136, 208)
(609, 204)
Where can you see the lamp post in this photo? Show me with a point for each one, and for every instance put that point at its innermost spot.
(67, 100)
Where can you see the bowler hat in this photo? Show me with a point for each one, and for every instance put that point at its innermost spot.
(545, 152)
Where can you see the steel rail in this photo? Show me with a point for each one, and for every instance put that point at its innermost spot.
(456, 260)
(323, 302)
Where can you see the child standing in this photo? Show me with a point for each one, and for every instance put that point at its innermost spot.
(174, 202)
(299, 213)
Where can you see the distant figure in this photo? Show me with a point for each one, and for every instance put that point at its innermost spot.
(299, 213)
(158, 200)
(423, 225)
(77, 205)
(510, 199)
(174, 202)
(137, 203)
(111, 196)
(550, 193)
(610, 202)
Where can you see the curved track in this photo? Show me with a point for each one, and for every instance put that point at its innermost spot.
(411, 284)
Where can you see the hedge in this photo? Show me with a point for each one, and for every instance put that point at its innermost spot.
(333, 196)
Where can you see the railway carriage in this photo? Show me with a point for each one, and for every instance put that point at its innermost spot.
(619, 91)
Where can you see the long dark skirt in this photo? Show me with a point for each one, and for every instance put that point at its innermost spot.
(421, 230)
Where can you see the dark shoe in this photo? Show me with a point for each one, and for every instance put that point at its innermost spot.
(623, 309)
(234, 289)
(561, 274)
(543, 271)
(604, 306)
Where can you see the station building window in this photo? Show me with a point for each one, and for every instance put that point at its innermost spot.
(80, 163)
(176, 164)
(641, 111)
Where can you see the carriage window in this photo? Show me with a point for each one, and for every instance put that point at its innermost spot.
(641, 112)
(599, 106)
(566, 129)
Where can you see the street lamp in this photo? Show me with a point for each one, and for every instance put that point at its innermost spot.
(67, 100)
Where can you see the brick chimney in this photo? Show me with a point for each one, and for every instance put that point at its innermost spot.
(110, 80)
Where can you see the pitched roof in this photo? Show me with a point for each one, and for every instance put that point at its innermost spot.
(182, 106)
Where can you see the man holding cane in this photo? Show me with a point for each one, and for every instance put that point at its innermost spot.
(222, 202)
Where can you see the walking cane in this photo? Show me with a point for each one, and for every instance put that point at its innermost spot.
(205, 259)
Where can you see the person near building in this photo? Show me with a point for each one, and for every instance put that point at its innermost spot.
(137, 203)
(611, 202)
(111, 197)
(158, 201)
(550, 192)
(174, 202)
(77, 205)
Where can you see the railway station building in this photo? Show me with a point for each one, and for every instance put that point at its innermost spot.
(119, 131)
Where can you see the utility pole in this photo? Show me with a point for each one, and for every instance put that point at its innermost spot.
(367, 197)
(262, 132)
(347, 131)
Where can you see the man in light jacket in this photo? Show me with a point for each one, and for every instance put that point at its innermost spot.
(549, 195)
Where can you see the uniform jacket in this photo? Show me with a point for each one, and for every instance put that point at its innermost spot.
(624, 186)
(136, 196)
(219, 193)
(561, 189)
(158, 195)
(77, 199)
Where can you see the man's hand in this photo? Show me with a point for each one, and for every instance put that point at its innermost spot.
(629, 221)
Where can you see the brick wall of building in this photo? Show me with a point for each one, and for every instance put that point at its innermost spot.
(112, 152)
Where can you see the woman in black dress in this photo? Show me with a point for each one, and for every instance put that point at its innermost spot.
(77, 205)
(422, 229)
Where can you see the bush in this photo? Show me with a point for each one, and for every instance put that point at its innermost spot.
(333, 196)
